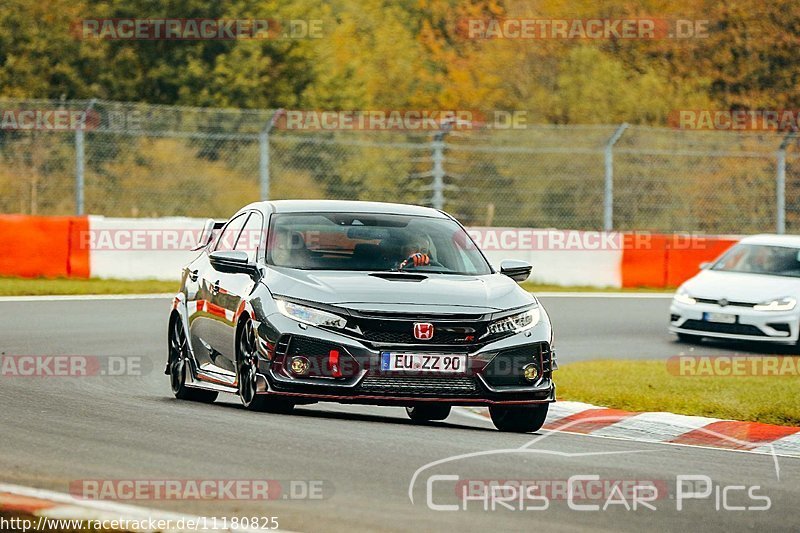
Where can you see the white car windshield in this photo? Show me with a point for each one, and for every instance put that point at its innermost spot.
(761, 259)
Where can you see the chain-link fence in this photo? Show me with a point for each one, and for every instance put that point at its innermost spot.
(124, 159)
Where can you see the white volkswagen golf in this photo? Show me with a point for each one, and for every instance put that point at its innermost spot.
(749, 293)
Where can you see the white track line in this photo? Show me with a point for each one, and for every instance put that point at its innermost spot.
(158, 296)
(78, 297)
(632, 295)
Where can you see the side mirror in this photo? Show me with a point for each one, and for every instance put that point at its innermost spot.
(234, 262)
(516, 270)
(207, 235)
(705, 265)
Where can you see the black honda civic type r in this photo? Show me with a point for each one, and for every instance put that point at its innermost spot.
(299, 301)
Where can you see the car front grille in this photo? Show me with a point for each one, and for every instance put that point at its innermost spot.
(716, 302)
(400, 330)
(715, 327)
(507, 367)
(782, 327)
(311, 347)
(318, 353)
(402, 337)
(420, 385)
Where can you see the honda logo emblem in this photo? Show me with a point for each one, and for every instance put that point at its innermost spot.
(423, 331)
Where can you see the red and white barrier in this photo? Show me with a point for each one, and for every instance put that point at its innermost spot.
(670, 428)
(32, 246)
(559, 257)
(141, 248)
(157, 248)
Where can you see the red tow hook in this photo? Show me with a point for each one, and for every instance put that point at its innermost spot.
(333, 363)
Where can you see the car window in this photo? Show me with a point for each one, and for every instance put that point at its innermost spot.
(761, 259)
(372, 242)
(230, 233)
(250, 238)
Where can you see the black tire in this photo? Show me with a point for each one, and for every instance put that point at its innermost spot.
(688, 339)
(246, 375)
(178, 366)
(428, 412)
(796, 347)
(519, 418)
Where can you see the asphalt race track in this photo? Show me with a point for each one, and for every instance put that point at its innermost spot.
(56, 430)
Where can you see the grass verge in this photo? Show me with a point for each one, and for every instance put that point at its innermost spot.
(537, 287)
(648, 386)
(41, 287)
(63, 286)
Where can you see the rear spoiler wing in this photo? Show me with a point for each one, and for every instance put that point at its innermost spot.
(210, 230)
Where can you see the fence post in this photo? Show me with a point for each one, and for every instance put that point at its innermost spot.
(438, 171)
(263, 159)
(780, 186)
(79, 159)
(438, 165)
(608, 189)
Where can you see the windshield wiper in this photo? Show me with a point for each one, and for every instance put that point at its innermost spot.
(398, 276)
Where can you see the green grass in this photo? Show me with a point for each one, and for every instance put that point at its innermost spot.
(42, 286)
(538, 287)
(648, 386)
(37, 286)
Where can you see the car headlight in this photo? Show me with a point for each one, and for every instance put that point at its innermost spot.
(309, 315)
(779, 304)
(515, 323)
(683, 297)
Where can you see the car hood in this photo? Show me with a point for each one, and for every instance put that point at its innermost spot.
(738, 287)
(436, 293)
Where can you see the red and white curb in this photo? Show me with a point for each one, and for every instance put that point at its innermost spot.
(47, 507)
(670, 428)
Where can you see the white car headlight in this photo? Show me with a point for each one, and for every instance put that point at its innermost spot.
(309, 315)
(515, 323)
(779, 304)
(683, 297)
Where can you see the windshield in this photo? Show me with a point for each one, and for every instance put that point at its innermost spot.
(372, 242)
(761, 259)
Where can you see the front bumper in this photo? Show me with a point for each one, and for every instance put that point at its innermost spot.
(493, 375)
(750, 325)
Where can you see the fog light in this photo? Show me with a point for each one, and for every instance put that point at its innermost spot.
(530, 372)
(299, 365)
